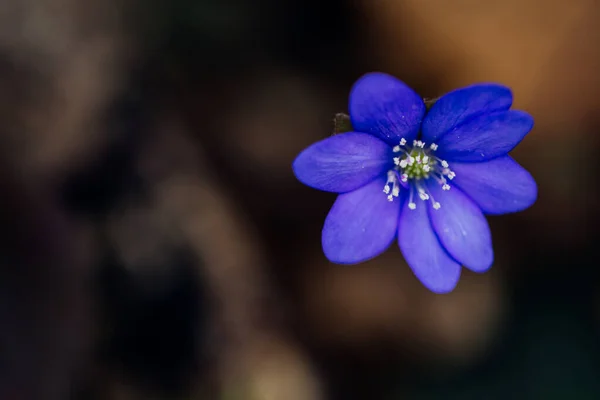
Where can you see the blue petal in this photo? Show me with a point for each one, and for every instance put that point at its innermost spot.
(485, 137)
(423, 252)
(343, 162)
(498, 186)
(460, 105)
(386, 108)
(461, 227)
(361, 224)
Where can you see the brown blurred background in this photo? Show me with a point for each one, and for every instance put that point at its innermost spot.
(155, 244)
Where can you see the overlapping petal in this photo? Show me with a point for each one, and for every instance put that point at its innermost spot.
(485, 137)
(423, 252)
(361, 224)
(498, 186)
(343, 162)
(461, 228)
(386, 108)
(460, 105)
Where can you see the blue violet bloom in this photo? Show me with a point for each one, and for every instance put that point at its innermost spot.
(424, 176)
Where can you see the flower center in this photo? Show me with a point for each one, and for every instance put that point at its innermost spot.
(414, 166)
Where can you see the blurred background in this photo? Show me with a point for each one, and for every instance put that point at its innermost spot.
(154, 243)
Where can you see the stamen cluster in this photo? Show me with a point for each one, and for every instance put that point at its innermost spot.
(414, 166)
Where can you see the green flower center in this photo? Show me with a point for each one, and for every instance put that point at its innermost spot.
(420, 167)
(414, 165)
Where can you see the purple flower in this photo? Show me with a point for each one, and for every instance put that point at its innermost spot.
(425, 177)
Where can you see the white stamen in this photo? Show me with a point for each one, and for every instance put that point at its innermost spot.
(392, 188)
(433, 146)
(426, 168)
(403, 163)
(397, 160)
(404, 177)
(445, 186)
(425, 159)
(414, 143)
(390, 179)
(411, 203)
(435, 204)
(402, 142)
(444, 164)
(396, 149)
(451, 175)
(411, 160)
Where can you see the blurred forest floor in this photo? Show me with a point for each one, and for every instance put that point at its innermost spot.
(155, 244)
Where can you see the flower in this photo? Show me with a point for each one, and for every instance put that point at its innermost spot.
(424, 176)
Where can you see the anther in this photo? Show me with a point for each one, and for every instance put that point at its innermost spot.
(402, 142)
(391, 188)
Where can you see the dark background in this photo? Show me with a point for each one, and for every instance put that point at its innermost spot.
(154, 243)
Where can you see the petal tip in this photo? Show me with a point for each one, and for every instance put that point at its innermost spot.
(482, 265)
(489, 89)
(298, 166)
(527, 118)
(443, 289)
(529, 196)
(534, 193)
(374, 74)
(344, 255)
(443, 286)
(339, 259)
